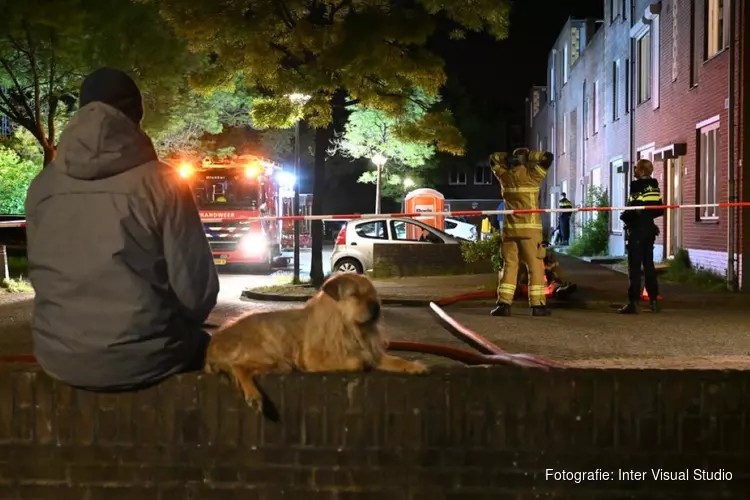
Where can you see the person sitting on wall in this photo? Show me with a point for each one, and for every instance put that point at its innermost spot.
(118, 257)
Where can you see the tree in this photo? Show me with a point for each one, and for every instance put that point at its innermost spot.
(193, 115)
(371, 131)
(339, 52)
(46, 48)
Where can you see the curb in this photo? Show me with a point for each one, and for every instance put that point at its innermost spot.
(273, 297)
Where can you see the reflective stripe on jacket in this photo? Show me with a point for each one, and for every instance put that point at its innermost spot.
(520, 185)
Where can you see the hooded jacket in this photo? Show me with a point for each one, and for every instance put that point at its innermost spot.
(123, 274)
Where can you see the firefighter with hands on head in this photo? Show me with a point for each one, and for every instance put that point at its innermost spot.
(640, 236)
(522, 238)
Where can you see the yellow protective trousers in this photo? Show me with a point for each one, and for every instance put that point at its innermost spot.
(529, 252)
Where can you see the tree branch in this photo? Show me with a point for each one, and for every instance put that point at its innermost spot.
(52, 99)
(35, 76)
(285, 14)
(9, 70)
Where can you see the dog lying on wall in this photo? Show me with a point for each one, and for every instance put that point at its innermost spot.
(337, 330)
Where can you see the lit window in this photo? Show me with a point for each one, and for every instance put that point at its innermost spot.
(708, 158)
(716, 28)
(566, 62)
(644, 67)
(617, 179)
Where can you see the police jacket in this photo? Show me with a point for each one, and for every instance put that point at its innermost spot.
(565, 203)
(644, 192)
(520, 185)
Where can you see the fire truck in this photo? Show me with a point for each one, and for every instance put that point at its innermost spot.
(228, 193)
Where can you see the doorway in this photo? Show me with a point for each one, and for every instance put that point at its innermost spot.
(673, 217)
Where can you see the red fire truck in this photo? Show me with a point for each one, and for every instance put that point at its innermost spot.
(228, 193)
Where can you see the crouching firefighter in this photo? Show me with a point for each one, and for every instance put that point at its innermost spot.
(522, 236)
(640, 235)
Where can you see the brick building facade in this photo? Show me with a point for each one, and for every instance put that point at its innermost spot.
(652, 82)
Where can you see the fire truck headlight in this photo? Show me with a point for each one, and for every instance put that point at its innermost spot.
(185, 170)
(253, 244)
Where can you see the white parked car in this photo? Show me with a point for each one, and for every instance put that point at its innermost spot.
(461, 229)
(353, 251)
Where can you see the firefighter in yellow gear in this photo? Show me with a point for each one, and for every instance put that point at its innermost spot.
(520, 179)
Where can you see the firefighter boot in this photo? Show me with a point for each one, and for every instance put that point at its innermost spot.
(654, 304)
(540, 311)
(628, 308)
(501, 310)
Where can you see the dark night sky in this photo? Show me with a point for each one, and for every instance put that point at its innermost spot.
(503, 72)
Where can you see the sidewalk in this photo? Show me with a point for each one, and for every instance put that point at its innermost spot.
(597, 286)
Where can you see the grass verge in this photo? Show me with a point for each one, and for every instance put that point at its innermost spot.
(680, 270)
(19, 285)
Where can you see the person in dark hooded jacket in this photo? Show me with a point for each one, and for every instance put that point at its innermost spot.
(641, 233)
(119, 260)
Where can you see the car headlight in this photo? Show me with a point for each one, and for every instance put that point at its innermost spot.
(253, 244)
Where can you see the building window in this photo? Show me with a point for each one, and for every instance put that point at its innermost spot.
(643, 53)
(553, 140)
(566, 63)
(482, 176)
(617, 193)
(552, 83)
(612, 10)
(616, 90)
(595, 107)
(693, 44)
(585, 99)
(628, 86)
(624, 9)
(675, 40)
(716, 29)
(708, 156)
(565, 133)
(655, 61)
(457, 177)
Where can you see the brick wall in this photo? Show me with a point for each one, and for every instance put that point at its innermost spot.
(420, 259)
(461, 434)
(681, 108)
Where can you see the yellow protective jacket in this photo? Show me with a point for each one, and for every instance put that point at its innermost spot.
(520, 185)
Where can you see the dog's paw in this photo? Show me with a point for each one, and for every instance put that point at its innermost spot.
(254, 404)
(416, 367)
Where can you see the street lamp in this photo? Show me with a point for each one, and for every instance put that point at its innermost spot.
(408, 183)
(298, 100)
(379, 160)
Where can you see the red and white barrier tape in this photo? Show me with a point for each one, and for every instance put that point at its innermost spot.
(12, 223)
(467, 213)
(473, 213)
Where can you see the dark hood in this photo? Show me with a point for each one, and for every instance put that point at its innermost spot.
(101, 142)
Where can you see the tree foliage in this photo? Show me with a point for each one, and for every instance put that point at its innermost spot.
(46, 48)
(373, 53)
(194, 114)
(16, 173)
(370, 131)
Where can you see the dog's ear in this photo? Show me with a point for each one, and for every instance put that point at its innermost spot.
(337, 287)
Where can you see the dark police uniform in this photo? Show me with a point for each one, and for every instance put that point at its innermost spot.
(641, 233)
(565, 220)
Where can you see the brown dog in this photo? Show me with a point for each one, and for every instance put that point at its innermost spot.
(337, 330)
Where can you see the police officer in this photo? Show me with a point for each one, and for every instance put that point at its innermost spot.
(522, 233)
(640, 234)
(565, 220)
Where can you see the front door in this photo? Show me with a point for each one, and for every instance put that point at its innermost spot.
(673, 217)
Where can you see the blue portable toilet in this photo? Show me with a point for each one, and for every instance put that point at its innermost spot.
(501, 206)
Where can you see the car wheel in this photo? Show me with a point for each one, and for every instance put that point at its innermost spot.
(348, 265)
